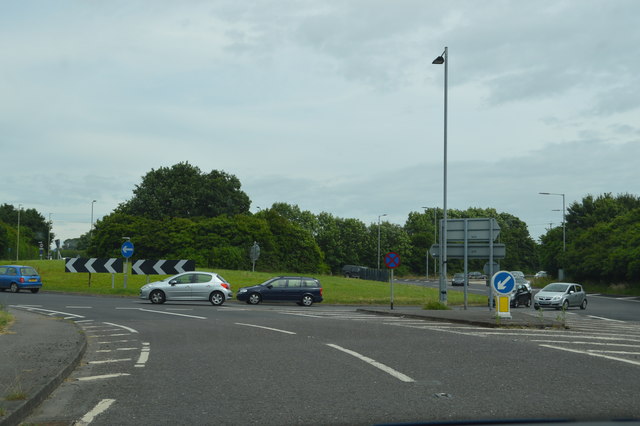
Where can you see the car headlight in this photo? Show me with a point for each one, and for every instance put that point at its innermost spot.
(556, 298)
(242, 290)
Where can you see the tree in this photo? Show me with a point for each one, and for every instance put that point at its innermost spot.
(182, 190)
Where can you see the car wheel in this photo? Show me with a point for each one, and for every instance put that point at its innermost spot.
(565, 305)
(216, 298)
(157, 297)
(254, 299)
(14, 288)
(307, 300)
(583, 305)
(35, 290)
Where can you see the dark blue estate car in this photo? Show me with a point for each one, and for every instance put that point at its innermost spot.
(19, 277)
(304, 291)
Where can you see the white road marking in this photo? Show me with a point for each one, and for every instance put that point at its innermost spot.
(109, 361)
(398, 375)
(100, 408)
(171, 313)
(628, 361)
(122, 326)
(79, 307)
(606, 319)
(104, 376)
(144, 355)
(266, 328)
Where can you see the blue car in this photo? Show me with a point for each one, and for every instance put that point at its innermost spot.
(19, 277)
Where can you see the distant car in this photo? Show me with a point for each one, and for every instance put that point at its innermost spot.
(353, 271)
(19, 277)
(305, 291)
(475, 275)
(189, 286)
(517, 274)
(521, 295)
(523, 281)
(458, 279)
(561, 296)
(541, 274)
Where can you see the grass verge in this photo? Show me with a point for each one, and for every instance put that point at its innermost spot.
(336, 290)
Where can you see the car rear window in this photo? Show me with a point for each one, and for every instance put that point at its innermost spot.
(28, 271)
(311, 283)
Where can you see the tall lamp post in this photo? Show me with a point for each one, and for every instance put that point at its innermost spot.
(18, 239)
(564, 234)
(435, 238)
(379, 238)
(444, 59)
(91, 227)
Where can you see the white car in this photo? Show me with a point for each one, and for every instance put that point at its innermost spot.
(189, 286)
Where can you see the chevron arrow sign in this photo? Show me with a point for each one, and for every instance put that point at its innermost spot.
(94, 265)
(162, 267)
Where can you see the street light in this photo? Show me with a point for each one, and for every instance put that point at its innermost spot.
(379, 238)
(435, 239)
(564, 243)
(18, 239)
(91, 227)
(444, 59)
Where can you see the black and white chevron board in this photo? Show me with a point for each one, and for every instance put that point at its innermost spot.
(94, 265)
(162, 267)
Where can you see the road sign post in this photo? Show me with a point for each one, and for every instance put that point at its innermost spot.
(503, 283)
(392, 260)
(127, 251)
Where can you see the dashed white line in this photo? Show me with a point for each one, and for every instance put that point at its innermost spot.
(104, 376)
(123, 327)
(398, 375)
(628, 361)
(266, 328)
(144, 355)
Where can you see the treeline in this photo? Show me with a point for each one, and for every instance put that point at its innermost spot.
(602, 241)
(34, 229)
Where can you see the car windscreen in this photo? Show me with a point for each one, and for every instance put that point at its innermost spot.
(556, 288)
(28, 271)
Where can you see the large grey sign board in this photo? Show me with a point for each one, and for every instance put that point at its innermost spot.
(474, 251)
(478, 229)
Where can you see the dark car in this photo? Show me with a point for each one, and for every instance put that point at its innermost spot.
(458, 279)
(353, 271)
(19, 277)
(521, 295)
(475, 275)
(304, 291)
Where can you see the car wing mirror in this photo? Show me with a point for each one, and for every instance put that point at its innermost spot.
(173, 282)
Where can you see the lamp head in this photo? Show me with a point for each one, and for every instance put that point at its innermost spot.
(438, 61)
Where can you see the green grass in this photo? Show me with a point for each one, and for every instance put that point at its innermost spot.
(5, 319)
(337, 290)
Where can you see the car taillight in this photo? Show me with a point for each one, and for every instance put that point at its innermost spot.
(320, 291)
(225, 285)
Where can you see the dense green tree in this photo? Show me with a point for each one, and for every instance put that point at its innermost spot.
(33, 226)
(182, 190)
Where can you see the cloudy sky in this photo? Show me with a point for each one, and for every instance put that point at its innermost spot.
(330, 105)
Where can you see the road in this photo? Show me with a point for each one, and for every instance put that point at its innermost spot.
(192, 363)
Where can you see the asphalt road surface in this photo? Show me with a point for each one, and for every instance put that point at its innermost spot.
(193, 363)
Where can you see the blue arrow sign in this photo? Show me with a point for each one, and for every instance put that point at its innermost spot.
(503, 282)
(127, 249)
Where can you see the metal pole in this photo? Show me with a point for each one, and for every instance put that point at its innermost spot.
(379, 238)
(18, 239)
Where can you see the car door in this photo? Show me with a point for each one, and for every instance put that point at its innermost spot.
(180, 287)
(4, 280)
(275, 290)
(294, 289)
(201, 286)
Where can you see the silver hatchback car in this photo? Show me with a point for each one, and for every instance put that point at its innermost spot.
(560, 296)
(189, 286)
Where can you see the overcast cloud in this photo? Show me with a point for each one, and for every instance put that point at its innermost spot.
(330, 105)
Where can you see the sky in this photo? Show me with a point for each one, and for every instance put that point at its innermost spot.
(333, 106)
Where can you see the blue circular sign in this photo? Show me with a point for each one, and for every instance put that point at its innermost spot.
(127, 249)
(503, 282)
(392, 260)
